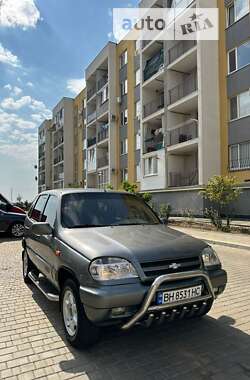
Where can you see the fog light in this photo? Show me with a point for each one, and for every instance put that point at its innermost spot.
(117, 311)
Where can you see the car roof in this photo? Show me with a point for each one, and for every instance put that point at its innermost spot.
(60, 192)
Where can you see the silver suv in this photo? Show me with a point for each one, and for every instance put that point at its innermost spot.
(108, 259)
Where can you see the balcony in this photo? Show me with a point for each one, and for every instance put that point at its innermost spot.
(180, 180)
(188, 61)
(58, 141)
(154, 65)
(59, 176)
(102, 162)
(103, 109)
(154, 142)
(101, 83)
(91, 92)
(58, 159)
(91, 117)
(183, 89)
(186, 132)
(91, 141)
(103, 133)
(153, 106)
(241, 164)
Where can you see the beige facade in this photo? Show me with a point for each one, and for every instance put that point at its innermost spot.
(44, 156)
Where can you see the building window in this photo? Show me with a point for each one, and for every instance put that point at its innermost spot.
(150, 166)
(237, 10)
(138, 109)
(240, 105)
(123, 59)
(138, 141)
(239, 57)
(138, 172)
(124, 173)
(124, 117)
(137, 77)
(124, 146)
(124, 87)
(104, 94)
(239, 156)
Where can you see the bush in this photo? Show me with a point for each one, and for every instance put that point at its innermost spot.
(221, 191)
(165, 210)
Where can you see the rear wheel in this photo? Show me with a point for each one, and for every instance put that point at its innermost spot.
(17, 230)
(79, 331)
(26, 268)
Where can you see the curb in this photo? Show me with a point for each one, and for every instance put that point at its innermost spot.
(226, 244)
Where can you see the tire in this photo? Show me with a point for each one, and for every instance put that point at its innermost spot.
(79, 331)
(17, 230)
(26, 268)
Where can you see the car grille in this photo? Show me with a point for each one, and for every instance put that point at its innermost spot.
(153, 269)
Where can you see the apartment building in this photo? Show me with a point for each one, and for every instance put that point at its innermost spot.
(44, 156)
(80, 146)
(234, 88)
(63, 144)
(180, 120)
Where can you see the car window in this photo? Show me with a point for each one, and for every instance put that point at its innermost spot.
(31, 207)
(104, 209)
(38, 209)
(3, 205)
(49, 214)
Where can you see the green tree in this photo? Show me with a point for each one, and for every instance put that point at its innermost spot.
(221, 191)
(133, 189)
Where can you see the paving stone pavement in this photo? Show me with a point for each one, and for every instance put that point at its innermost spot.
(32, 344)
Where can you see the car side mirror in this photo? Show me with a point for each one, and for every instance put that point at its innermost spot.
(41, 229)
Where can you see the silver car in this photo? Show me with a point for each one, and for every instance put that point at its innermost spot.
(108, 259)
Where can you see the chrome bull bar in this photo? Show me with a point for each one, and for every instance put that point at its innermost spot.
(145, 307)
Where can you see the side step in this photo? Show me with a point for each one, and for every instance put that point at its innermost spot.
(44, 287)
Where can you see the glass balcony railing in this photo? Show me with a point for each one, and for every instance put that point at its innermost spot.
(153, 65)
(179, 49)
(58, 159)
(91, 117)
(179, 179)
(153, 106)
(102, 161)
(103, 133)
(185, 132)
(91, 92)
(183, 89)
(102, 82)
(153, 144)
(91, 141)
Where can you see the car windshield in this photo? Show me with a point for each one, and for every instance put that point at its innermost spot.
(81, 210)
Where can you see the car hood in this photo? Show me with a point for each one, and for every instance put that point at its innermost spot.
(144, 243)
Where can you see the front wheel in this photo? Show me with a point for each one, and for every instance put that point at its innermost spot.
(17, 230)
(79, 331)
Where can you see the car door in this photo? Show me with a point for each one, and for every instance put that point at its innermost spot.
(4, 222)
(48, 242)
(34, 243)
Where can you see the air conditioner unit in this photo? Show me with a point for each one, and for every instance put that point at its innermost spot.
(118, 100)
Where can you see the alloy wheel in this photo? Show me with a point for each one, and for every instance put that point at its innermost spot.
(70, 315)
(17, 230)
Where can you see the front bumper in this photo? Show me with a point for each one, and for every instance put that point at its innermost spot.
(137, 297)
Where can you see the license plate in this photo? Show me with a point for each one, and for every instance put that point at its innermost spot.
(178, 295)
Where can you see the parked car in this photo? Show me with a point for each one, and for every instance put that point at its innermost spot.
(108, 260)
(6, 205)
(12, 223)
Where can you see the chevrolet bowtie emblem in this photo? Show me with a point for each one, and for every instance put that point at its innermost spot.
(174, 266)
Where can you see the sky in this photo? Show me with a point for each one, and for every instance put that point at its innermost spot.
(44, 47)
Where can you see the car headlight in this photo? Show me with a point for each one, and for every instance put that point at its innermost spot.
(111, 268)
(210, 257)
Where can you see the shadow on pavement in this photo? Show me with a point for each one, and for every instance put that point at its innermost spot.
(6, 238)
(195, 349)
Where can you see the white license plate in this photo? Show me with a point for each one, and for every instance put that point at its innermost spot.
(178, 295)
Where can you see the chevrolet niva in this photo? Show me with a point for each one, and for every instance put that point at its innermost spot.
(108, 259)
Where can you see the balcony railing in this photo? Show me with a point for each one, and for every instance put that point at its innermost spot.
(179, 179)
(91, 92)
(239, 164)
(186, 132)
(103, 108)
(91, 117)
(59, 176)
(179, 49)
(58, 159)
(102, 82)
(154, 143)
(58, 141)
(102, 161)
(183, 89)
(91, 141)
(103, 134)
(153, 65)
(154, 106)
